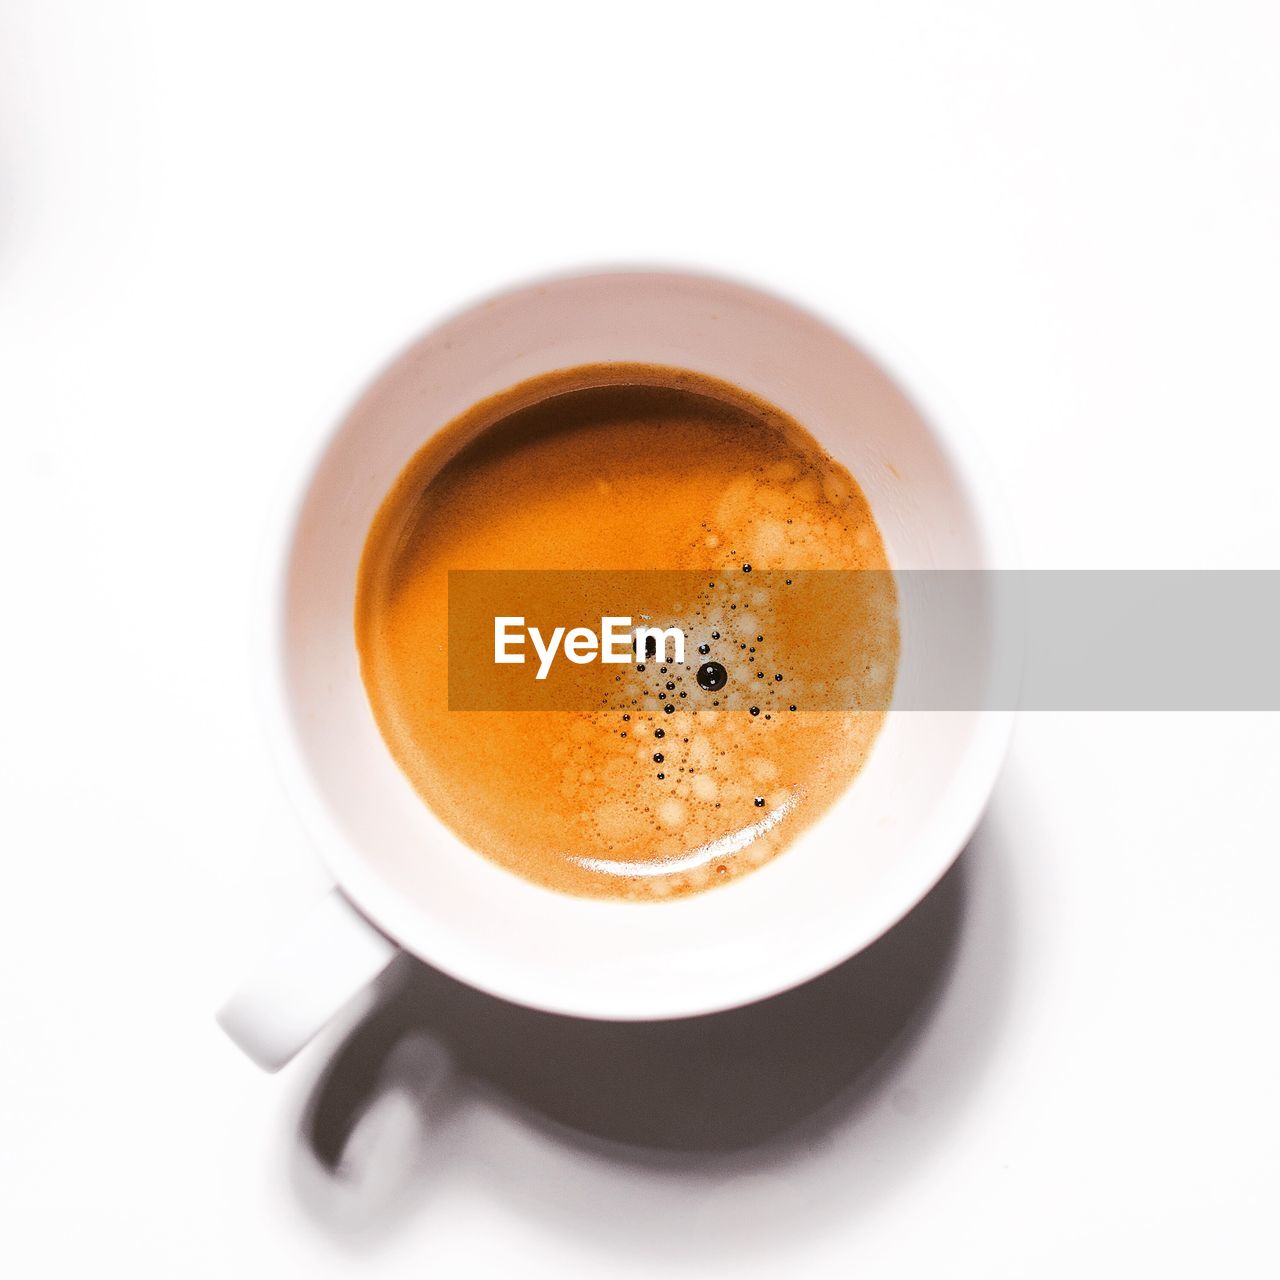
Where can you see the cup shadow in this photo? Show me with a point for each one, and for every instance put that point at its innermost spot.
(830, 1093)
(712, 1086)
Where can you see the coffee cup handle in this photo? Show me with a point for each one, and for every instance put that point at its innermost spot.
(305, 981)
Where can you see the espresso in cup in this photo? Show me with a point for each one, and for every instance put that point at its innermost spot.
(656, 773)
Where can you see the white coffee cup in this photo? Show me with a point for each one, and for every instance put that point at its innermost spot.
(405, 881)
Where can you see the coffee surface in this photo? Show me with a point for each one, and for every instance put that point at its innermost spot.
(687, 774)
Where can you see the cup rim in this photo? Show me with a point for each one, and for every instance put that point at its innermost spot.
(967, 792)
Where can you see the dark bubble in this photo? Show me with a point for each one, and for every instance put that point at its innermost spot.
(793, 706)
(746, 568)
(755, 711)
(668, 708)
(671, 684)
(759, 675)
(759, 802)
(639, 666)
(683, 694)
(759, 637)
(778, 676)
(715, 635)
(661, 776)
(712, 676)
(626, 717)
(658, 757)
(650, 647)
(704, 648)
(659, 733)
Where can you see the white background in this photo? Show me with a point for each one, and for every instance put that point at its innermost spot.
(219, 220)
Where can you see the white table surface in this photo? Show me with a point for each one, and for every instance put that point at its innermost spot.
(218, 221)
